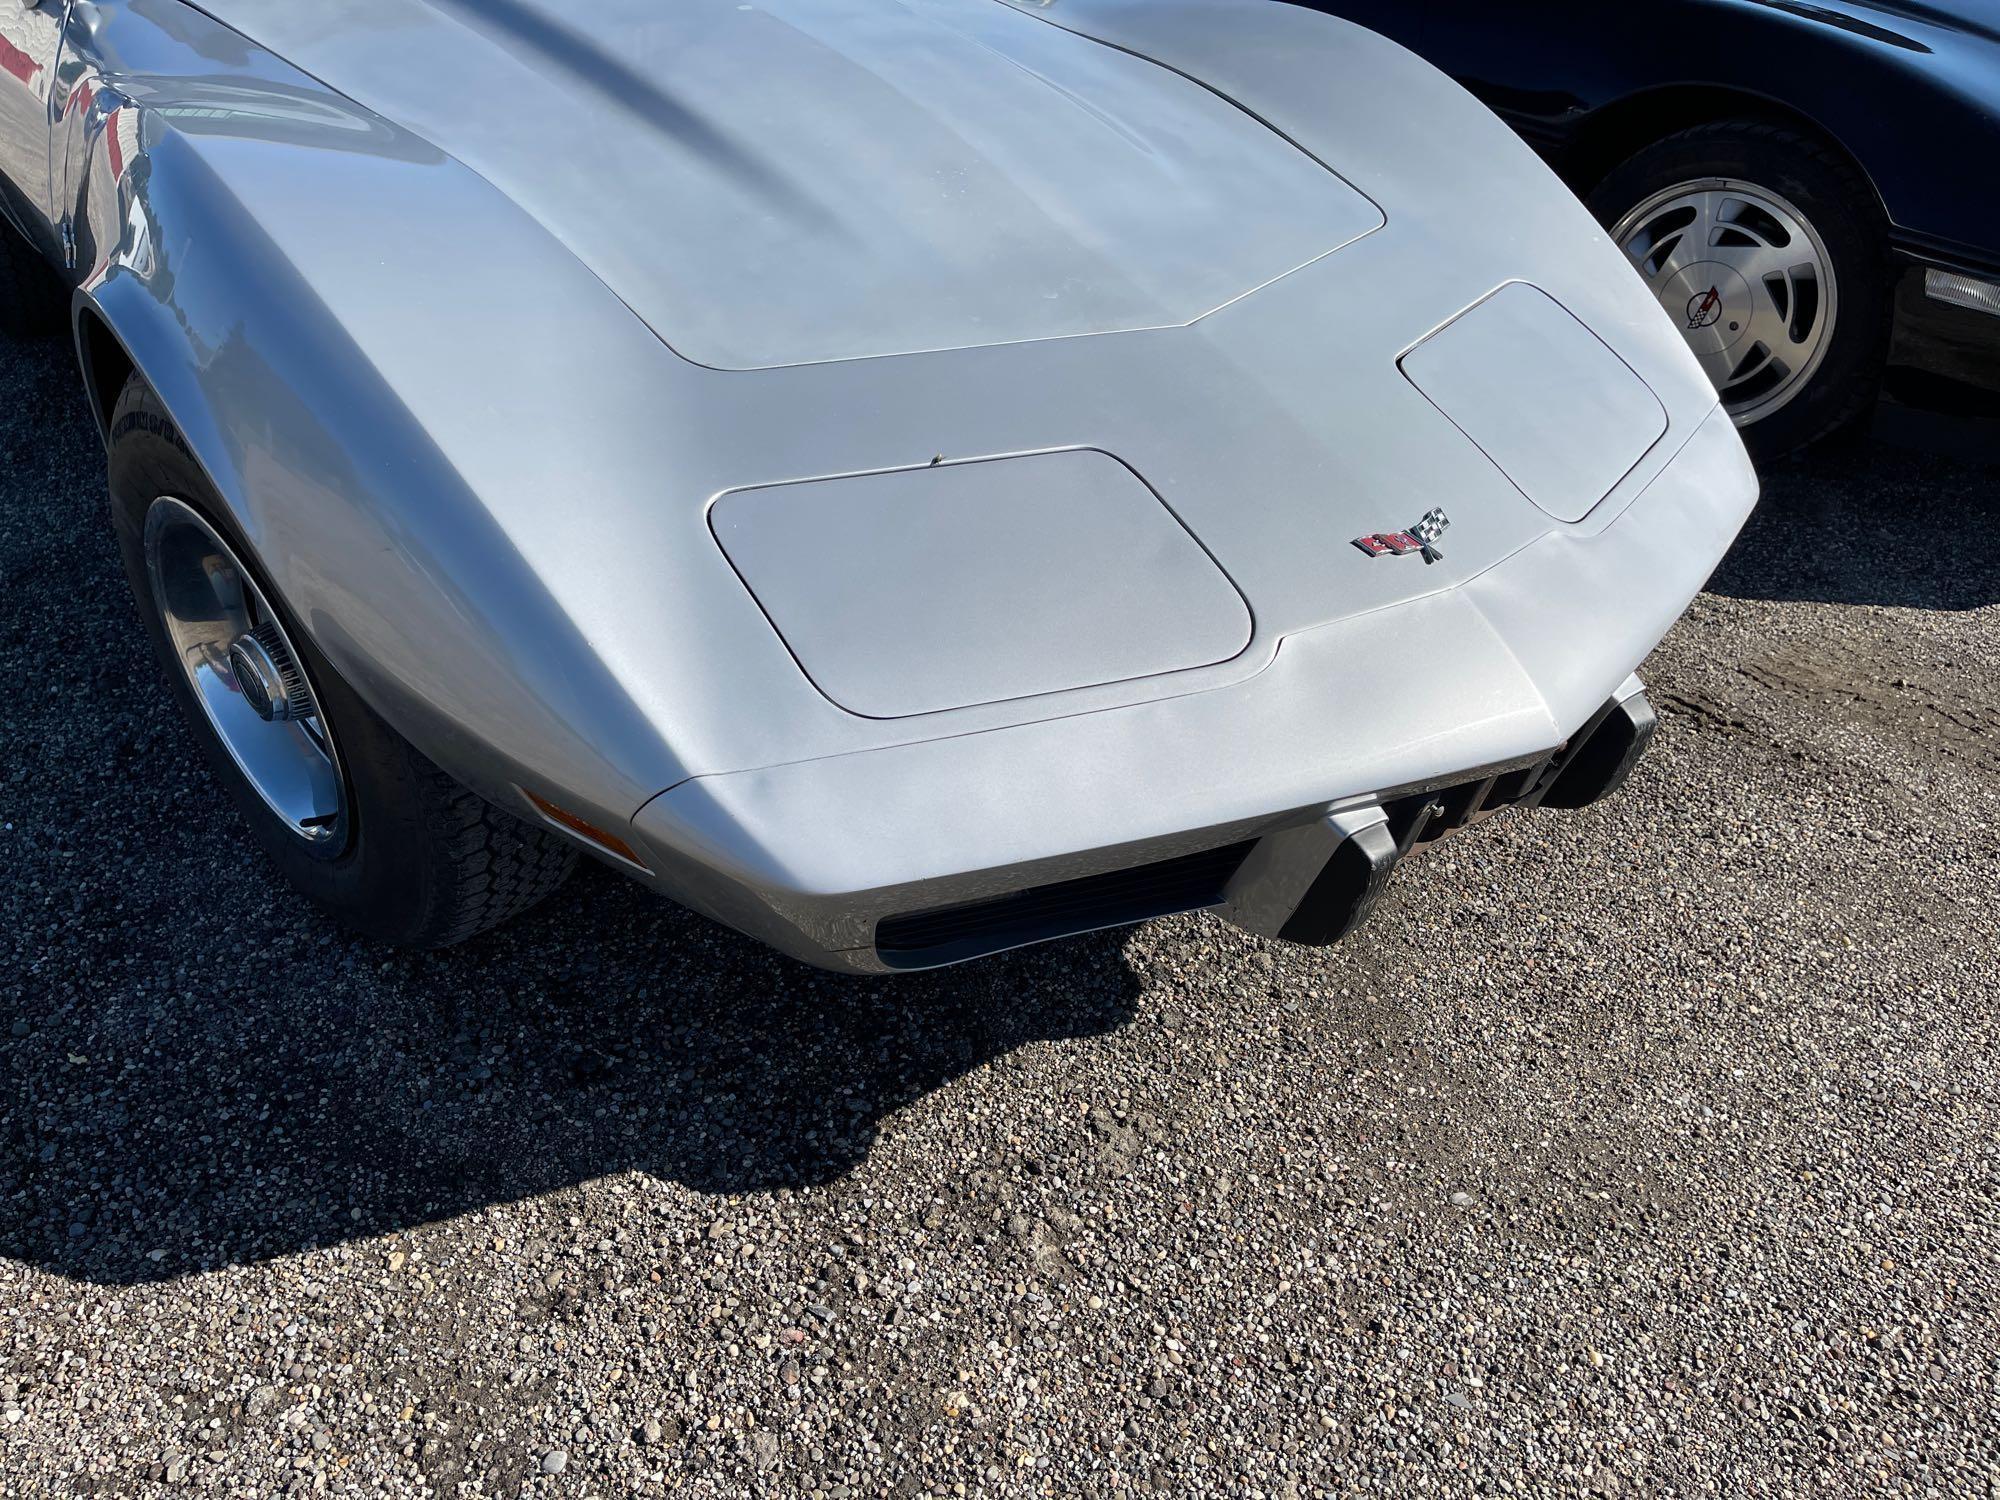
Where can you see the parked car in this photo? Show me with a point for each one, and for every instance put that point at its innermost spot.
(904, 480)
(1809, 189)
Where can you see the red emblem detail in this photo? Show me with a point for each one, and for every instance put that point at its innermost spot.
(1421, 537)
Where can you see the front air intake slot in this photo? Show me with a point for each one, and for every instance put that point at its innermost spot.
(947, 934)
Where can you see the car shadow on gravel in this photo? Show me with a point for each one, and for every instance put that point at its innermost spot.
(1907, 515)
(196, 1069)
(325, 1089)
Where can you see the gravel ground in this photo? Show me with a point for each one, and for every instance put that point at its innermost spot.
(1644, 1151)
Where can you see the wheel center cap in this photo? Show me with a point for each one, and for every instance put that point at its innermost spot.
(1711, 303)
(267, 677)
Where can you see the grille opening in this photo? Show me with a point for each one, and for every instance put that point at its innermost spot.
(946, 934)
(1417, 815)
(1514, 785)
(1424, 817)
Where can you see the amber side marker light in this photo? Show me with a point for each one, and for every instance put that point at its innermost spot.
(562, 817)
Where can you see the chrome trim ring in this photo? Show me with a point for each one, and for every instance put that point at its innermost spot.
(1747, 280)
(213, 612)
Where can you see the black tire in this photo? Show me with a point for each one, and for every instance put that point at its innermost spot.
(426, 862)
(31, 299)
(1841, 207)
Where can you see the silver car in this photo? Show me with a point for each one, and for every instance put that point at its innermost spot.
(906, 478)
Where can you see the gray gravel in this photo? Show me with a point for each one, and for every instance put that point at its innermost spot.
(1644, 1151)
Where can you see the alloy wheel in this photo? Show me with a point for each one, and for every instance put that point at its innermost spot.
(1748, 281)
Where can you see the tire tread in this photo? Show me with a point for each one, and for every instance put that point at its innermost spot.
(502, 866)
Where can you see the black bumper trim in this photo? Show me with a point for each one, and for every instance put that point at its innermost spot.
(1311, 883)
(1358, 863)
(1067, 908)
(1344, 895)
(1598, 762)
(1939, 338)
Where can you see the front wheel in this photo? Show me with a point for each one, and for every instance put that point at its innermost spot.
(347, 810)
(1766, 250)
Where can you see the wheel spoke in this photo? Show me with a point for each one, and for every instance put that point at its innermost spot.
(1768, 326)
(1718, 365)
(1754, 265)
(1685, 253)
(1707, 220)
(1690, 244)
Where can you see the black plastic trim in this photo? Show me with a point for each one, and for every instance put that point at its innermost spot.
(1940, 338)
(1599, 765)
(1345, 893)
(1117, 898)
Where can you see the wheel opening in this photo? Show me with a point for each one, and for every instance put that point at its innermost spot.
(1663, 236)
(1780, 290)
(106, 366)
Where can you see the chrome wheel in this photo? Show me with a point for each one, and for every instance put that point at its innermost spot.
(246, 674)
(1747, 280)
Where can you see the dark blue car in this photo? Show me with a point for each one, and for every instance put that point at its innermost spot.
(1812, 189)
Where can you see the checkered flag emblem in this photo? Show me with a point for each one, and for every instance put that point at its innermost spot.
(1421, 537)
(1428, 530)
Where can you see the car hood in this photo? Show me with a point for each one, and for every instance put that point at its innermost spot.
(802, 181)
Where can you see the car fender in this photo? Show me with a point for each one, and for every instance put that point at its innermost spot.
(1847, 58)
(230, 242)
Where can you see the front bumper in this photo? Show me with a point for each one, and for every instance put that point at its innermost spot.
(939, 850)
(1311, 884)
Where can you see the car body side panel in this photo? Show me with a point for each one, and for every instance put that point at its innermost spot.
(30, 42)
(229, 215)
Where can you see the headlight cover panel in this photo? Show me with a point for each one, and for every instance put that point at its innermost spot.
(1557, 412)
(914, 591)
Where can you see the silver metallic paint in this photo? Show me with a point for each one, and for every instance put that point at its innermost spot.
(1496, 671)
(482, 484)
(1558, 413)
(841, 179)
(953, 584)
